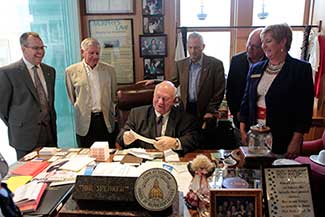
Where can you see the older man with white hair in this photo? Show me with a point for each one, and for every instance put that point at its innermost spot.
(91, 88)
(171, 128)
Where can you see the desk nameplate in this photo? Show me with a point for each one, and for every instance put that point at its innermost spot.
(104, 188)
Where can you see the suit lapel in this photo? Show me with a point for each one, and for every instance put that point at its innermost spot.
(49, 83)
(185, 80)
(204, 73)
(152, 122)
(170, 130)
(27, 79)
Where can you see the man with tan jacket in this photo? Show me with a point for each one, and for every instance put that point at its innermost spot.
(91, 88)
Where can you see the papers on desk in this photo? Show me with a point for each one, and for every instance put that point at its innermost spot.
(115, 169)
(15, 182)
(28, 196)
(77, 163)
(170, 156)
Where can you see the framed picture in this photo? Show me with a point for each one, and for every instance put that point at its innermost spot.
(236, 202)
(116, 39)
(109, 6)
(153, 24)
(154, 68)
(287, 191)
(153, 7)
(153, 45)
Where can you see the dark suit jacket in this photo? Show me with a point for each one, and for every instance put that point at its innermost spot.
(211, 85)
(236, 82)
(20, 107)
(180, 125)
(289, 101)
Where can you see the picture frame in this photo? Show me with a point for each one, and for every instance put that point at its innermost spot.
(153, 24)
(154, 68)
(109, 6)
(287, 191)
(153, 7)
(153, 45)
(117, 46)
(223, 201)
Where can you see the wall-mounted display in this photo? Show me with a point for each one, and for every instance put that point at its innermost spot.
(153, 7)
(116, 38)
(153, 45)
(110, 6)
(153, 24)
(154, 68)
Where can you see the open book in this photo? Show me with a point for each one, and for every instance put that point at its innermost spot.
(28, 196)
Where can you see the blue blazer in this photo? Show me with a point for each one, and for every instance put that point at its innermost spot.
(289, 101)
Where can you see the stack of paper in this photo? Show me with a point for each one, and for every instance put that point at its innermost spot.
(28, 196)
(48, 151)
(99, 150)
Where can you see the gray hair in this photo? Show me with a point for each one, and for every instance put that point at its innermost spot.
(87, 42)
(279, 32)
(23, 38)
(169, 84)
(195, 35)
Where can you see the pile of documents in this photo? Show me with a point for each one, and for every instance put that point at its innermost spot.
(100, 151)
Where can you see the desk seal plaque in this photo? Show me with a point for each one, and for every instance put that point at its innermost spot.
(155, 189)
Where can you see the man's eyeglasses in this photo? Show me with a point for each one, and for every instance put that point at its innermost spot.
(36, 48)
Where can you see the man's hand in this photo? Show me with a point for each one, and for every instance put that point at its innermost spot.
(146, 82)
(128, 137)
(208, 116)
(165, 142)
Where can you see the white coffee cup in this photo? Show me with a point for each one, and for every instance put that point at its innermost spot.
(321, 157)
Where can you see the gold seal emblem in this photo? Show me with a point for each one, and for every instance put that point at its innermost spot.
(155, 189)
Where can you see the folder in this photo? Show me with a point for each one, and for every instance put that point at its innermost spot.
(30, 168)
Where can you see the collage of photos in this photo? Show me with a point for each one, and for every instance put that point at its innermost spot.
(153, 42)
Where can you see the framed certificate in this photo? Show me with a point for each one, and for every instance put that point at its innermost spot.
(110, 6)
(287, 191)
(116, 38)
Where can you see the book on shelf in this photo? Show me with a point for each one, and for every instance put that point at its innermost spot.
(28, 196)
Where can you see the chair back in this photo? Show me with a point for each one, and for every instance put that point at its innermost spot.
(132, 96)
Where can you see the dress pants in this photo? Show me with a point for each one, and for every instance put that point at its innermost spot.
(97, 132)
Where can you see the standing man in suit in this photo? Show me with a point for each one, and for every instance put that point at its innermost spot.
(239, 65)
(201, 79)
(91, 88)
(171, 128)
(27, 98)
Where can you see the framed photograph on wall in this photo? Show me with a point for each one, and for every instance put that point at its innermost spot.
(116, 39)
(153, 45)
(153, 7)
(154, 68)
(110, 6)
(153, 24)
(231, 202)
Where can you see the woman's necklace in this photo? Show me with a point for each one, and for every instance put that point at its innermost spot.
(273, 69)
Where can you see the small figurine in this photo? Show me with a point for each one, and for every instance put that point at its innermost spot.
(198, 196)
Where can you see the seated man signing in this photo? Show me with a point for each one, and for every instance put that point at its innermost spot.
(171, 128)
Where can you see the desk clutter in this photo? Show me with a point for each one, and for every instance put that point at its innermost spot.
(40, 171)
(74, 181)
